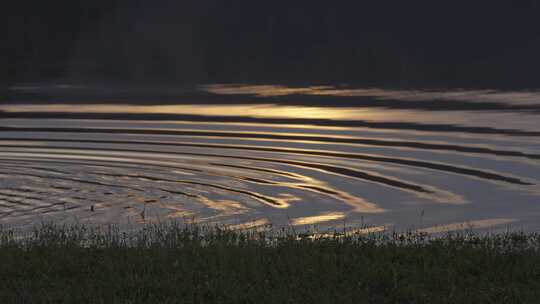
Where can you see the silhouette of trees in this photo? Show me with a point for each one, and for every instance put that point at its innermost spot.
(372, 43)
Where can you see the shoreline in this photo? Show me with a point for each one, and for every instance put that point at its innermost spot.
(179, 264)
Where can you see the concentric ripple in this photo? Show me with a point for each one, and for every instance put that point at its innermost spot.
(348, 166)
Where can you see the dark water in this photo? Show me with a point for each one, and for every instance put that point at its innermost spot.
(330, 156)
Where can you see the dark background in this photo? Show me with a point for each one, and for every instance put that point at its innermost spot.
(388, 43)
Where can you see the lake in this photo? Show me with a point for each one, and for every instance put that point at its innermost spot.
(249, 155)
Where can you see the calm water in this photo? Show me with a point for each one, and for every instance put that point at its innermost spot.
(326, 155)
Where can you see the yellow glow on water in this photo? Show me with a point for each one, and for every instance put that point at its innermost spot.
(267, 111)
(479, 224)
(321, 218)
(178, 212)
(368, 230)
(250, 225)
(228, 206)
(260, 111)
(359, 231)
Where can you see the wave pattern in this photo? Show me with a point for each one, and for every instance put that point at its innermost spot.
(131, 168)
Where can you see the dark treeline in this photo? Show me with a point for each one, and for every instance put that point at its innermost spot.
(478, 43)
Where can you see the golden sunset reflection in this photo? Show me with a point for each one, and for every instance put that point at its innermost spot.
(250, 225)
(477, 224)
(268, 111)
(354, 231)
(321, 218)
(322, 162)
(258, 111)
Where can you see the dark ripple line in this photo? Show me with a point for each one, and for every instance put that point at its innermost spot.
(12, 199)
(73, 180)
(287, 121)
(164, 179)
(47, 211)
(115, 164)
(314, 188)
(5, 206)
(60, 187)
(399, 161)
(51, 205)
(320, 189)
(149, 178)
(249, 193)
(12, 163)
(257, 196)
(179, 193)
(277, 172)
(95, 164)
(20, 195)
(15, 203)
(16, 207)
(35, 168)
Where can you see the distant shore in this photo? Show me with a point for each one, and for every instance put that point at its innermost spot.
(323, 95)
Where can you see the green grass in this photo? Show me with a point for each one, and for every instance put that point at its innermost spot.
(172, 263)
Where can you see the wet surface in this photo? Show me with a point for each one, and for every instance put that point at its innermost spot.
(436, 160)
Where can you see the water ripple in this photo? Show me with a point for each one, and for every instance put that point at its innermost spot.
(272, 168)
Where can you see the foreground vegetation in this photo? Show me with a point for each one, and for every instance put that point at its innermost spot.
(193, 264)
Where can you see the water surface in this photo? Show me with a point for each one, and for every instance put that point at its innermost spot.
(250, 155)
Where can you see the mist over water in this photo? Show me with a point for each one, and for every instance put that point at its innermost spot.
(250, 155)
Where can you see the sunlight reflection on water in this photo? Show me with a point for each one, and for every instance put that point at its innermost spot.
(251, 165)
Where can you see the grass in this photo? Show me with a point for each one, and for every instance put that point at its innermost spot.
(173, 263)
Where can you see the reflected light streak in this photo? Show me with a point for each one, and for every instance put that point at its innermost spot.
(478, 224)
(257, 111)
(269, 111)
(352, 232)
(321, 218)
(250, 225)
